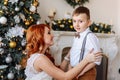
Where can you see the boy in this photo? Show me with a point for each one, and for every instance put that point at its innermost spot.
(81, 23)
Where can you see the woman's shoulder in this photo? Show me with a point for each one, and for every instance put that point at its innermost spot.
(33, 57)
(41, 58)
(36, 54)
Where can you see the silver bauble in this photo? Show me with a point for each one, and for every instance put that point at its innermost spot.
(17, 8)
(10, 76)
(8, 59)
(3, 20)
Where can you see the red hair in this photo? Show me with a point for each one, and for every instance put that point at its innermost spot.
(34, 38)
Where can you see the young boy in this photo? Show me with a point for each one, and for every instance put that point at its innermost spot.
(82, 44)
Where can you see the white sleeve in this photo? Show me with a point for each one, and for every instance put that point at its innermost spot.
(93, 42)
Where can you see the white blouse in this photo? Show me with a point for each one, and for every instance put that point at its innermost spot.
(30, 71)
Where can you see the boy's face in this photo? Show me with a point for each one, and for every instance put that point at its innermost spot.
(80, 22)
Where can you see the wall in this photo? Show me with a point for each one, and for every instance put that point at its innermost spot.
(118, 19)
(106, 11)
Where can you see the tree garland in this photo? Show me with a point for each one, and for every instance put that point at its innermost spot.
(74, 3)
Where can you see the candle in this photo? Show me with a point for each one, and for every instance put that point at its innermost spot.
(52, 12)
(111, 22)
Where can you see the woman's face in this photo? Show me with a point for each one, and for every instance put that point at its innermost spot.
(48, 37)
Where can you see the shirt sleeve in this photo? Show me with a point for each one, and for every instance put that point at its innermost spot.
(93, 42)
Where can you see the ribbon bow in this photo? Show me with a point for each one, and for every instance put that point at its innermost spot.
(77, 35)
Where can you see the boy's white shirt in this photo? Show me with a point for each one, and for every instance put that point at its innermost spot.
(91, 42)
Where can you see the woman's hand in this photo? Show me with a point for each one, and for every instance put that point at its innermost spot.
(93, 57)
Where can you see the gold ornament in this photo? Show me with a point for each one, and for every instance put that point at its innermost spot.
(27, 23)
(95, 28)
(5, 3)
(19, 48)
(70, 21)
(1, 76)
(1, 12)
(35, 3)
(71, 27)
(59, 21)
(31, 19)
(12, 44)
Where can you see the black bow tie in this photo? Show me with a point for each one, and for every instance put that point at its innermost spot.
(77, 35)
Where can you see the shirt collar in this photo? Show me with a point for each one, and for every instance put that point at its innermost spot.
(85, 32)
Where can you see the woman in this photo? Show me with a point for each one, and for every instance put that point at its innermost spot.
(39, 64)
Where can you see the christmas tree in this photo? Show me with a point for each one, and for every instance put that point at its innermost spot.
(15, 17)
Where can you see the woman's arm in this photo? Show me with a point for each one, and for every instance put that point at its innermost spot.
(46, 65)
(43, 63)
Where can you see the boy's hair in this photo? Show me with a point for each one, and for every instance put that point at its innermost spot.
(81, 9)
